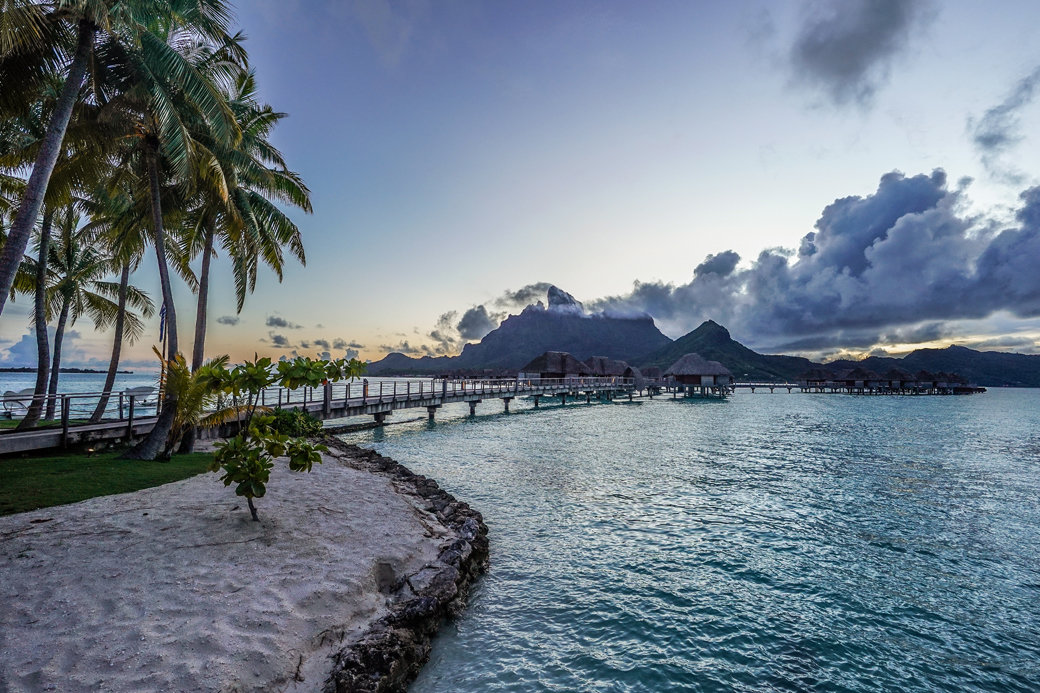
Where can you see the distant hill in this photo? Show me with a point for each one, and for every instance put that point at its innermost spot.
(563, 326)
(712, 341)
(987, 368)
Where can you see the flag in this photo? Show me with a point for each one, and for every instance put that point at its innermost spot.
(162, 322)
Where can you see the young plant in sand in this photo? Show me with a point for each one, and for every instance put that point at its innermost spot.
(248, 458)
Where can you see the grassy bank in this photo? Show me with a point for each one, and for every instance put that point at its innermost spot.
(43, 481)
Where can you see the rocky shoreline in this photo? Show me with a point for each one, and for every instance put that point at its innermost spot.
(388, 656)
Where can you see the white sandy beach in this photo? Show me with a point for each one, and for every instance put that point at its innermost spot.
(175, 589)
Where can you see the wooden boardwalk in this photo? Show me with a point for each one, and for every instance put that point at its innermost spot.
(339, 401)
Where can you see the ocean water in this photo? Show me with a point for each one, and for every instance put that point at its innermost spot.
(784, 542)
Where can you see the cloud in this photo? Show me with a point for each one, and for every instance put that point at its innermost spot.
(999, 130)
(404, 347)
(279, 340)
(475, 323)
(894, 266)
(73, 353)
(305, 344)
(846, 48)
(323, 343)
(228, 320)
(351, 354)
(524, 296)
(277, 321)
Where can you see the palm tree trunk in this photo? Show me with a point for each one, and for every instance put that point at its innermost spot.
(198, 353)
(117, 346)
(154, 444)
(59, 333)
(32, 200)
(43, 353)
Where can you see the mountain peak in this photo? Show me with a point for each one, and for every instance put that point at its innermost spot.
(711, 330)
(563, 302)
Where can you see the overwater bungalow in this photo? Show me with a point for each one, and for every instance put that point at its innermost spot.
(603, 367)
(899, 380)
(638, 379)
(861, 380)
(695, 376)
(815, 380)
(555, 364)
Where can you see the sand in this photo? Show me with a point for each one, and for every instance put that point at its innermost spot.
(175, 588)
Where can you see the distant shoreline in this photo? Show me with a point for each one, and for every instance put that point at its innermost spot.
(27, 369)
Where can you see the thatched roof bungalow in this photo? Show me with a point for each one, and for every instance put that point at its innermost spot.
(603, 367)
(638, 381)
(555, 364)
(692, 369)
(861, 377)
(815, 377)
(899, 378)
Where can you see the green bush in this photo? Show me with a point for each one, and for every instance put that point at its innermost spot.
(295, 423)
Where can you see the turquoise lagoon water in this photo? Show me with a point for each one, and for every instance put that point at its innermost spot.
(770, 542)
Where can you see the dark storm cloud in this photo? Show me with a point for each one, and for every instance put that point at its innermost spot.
(277, 321)
(475, 323)
(1000, 128)
(893, 267)
(524, 296)
(228, 319)
(846, 47)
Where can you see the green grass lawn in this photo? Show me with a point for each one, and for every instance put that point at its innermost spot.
(43, 423)
(42, 481)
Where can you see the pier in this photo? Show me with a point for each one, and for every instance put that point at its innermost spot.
(379, 400)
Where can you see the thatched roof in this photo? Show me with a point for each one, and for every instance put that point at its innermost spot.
(694, 364)
(556, 362)
(861, 373)
(816, 374)
(601, 365)
(637, 378)
(653, 372)
(898, 374)
(925, 376)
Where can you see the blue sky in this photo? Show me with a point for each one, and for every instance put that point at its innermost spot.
(458, 150)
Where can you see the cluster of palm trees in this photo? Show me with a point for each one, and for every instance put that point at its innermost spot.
(127, 125)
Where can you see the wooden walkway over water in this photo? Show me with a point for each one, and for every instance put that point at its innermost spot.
(335, 401)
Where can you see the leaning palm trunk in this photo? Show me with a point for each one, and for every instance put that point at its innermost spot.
(154, 444)
(59, 334)
(43, 354)
(117, 347)
(201, 313)
(32, 200)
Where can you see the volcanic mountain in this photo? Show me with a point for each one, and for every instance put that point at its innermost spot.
(563, 326)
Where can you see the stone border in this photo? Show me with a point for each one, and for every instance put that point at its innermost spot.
(388, 656)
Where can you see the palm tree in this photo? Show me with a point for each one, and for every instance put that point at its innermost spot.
(36, 39)
(78, 267)
(168, 89)
(237, 204)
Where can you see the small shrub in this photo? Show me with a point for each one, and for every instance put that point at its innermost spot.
(295, 423)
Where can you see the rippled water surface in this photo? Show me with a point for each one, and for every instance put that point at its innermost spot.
(769, 542)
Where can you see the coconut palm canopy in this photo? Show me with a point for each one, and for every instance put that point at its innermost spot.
(601, 365)
(556, 362)
(694, 364)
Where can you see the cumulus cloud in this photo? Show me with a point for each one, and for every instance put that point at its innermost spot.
(846, 48)
(999, 130)
(475, 323)
(279, 340)
(278, 321)
(228, 320)
(524, 296)
(404, 347)
(323, 343)
(351, 354)
(893, 266)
